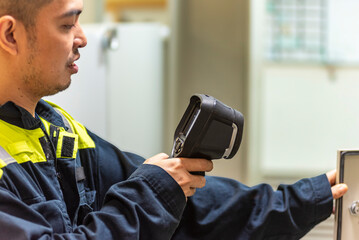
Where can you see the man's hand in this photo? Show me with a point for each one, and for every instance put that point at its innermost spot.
(338, 190)
(180, 168)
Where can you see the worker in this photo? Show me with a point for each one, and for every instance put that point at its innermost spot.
(58, 180)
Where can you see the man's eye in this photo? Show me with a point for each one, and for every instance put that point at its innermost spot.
(68, 27)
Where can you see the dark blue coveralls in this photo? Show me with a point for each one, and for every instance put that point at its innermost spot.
(60, 181)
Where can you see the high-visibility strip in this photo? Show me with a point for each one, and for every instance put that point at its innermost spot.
(5, 157)
(84, 140)
(64, 119)
(46, 125)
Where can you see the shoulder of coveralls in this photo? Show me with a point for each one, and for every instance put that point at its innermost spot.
(85, 141)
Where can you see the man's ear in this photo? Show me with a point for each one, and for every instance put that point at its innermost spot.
(7, 35)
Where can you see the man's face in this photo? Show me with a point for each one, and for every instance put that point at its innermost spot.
(52, 49)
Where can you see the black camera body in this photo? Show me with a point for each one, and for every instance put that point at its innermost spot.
(208, 129)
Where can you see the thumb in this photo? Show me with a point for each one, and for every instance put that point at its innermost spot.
(339, 190)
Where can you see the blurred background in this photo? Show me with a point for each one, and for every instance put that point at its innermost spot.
(290, 66)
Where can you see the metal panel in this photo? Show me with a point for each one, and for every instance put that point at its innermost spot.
(347, 208)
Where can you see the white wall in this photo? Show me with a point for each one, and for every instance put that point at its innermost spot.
(135, 89)
(307, 115)
(93, 11)
(300, 113)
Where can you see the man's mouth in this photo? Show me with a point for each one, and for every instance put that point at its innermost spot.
(73, 67)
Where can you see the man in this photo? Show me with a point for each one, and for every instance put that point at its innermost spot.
(60, 181)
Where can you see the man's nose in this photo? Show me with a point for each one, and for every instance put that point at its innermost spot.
(80, 40)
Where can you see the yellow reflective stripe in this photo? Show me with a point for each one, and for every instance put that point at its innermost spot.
(20, 144)
(25, 151)
(5, 159)
(19, 147)
(3, 164)
(22, 152)
(84, 140)
(46, 125)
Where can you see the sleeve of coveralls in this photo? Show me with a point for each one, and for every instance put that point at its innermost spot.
(123, 215)
(227, 209)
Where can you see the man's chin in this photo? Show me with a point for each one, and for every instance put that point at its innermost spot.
(59, 89)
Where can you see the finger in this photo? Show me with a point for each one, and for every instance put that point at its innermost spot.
(197, 164)
(339, 190)
(197, 181)
(190, 192)
(331, 176)
(160, 156)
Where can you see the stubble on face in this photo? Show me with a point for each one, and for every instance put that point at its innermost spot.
(34, 76)
(52, 49)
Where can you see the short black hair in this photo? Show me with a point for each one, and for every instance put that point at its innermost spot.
(23, 10)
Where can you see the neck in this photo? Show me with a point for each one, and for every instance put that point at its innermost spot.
(12, 85)
(11, 92)
(27, 104)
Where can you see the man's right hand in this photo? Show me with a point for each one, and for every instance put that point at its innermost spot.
(180, 168)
